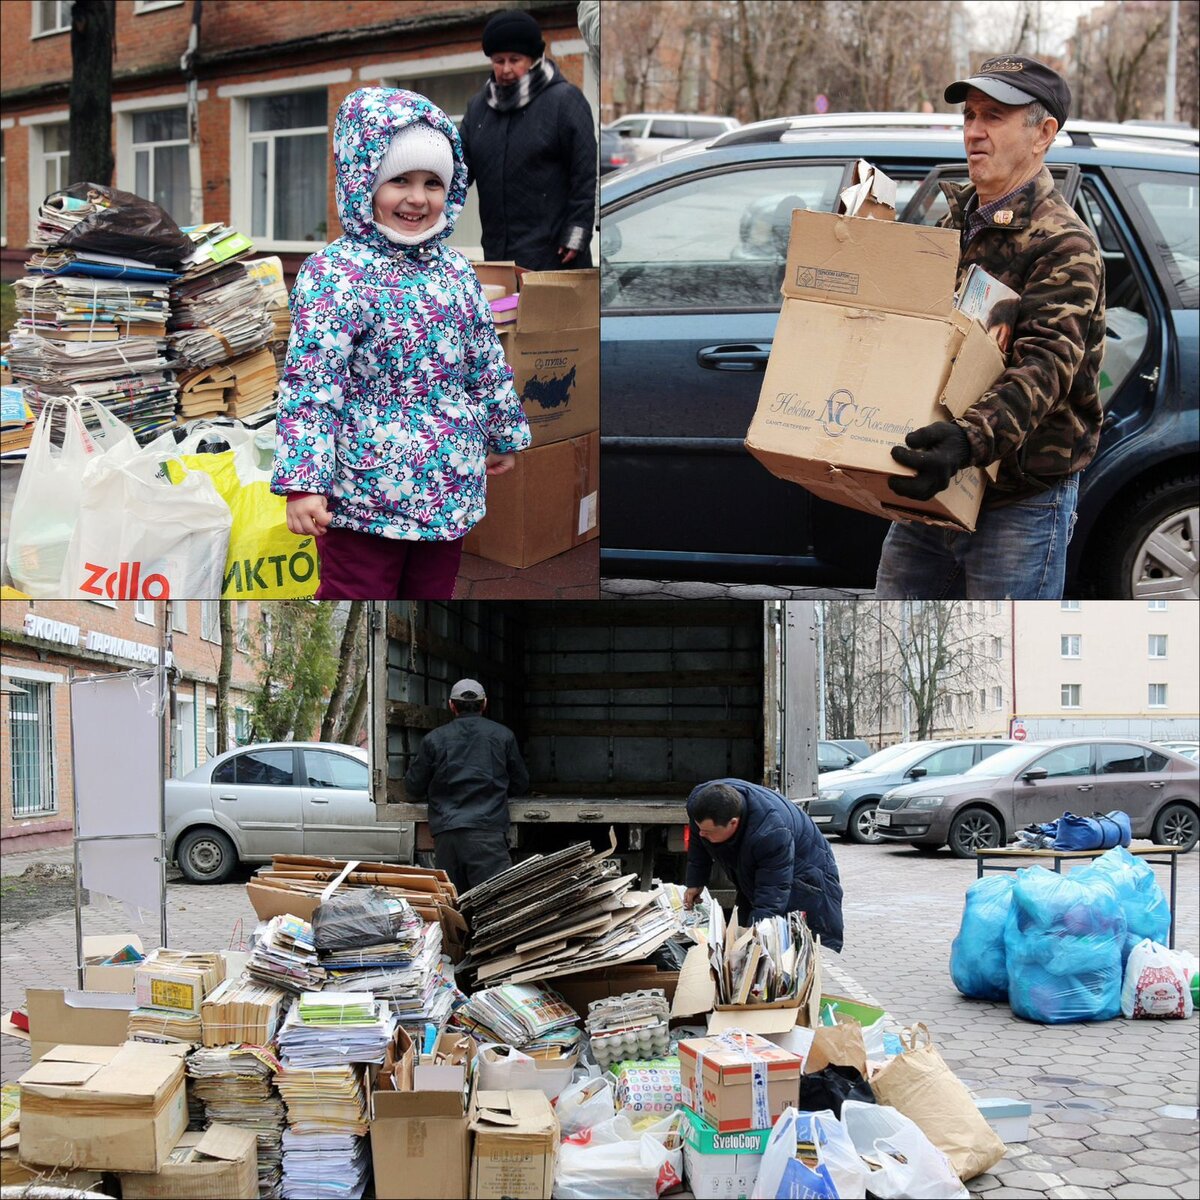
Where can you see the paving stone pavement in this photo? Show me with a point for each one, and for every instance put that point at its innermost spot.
(1095, 1088)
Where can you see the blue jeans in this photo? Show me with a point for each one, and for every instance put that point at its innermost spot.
(1017, 552)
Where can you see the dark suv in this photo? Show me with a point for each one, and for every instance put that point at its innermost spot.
(692, 248)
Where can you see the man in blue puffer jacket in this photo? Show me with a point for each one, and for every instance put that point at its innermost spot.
(778, 860)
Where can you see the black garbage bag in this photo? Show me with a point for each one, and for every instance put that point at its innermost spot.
(128, 226)
(360, 917)
(831, 1087)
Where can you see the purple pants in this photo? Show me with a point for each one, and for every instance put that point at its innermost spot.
(361, 566)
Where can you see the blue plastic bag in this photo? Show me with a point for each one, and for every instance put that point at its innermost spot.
(977, 954)
(1062, 944)
(1092, 833)
(1147, 914)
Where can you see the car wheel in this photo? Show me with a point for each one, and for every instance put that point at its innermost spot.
(974, 829)
(1151, 554)
(206, 856)
(1177, 825)
(861, 827)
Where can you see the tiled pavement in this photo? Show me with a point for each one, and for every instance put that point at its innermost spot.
(1096, 1089)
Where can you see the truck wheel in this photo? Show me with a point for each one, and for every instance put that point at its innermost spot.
(206, 856)
(1151, 553)
(1177, 825)
(861, 827)
(973, 829)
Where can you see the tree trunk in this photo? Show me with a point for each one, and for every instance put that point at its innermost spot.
(352, 729)
(224, 673)
(93, 46)
(342, 685)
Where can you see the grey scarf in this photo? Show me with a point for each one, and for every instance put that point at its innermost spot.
(512, 96)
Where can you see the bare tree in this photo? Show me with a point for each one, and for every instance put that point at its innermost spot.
(1120, 60)
(852, 677)
(346, 682)
(224, 673)
(93, 47)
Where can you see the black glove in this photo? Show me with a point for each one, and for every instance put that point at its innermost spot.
(937, 453)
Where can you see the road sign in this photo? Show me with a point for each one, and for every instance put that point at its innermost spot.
(1019, 733)
(822, 104)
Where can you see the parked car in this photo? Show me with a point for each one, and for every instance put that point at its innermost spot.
(693, 246)
(614, 152)
(847, 800)
(277, 798)
(833, 756)
(1180, 747)
(648, 133)
(1039, 781)
(856, 746)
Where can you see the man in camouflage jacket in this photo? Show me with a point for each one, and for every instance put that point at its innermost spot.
(1041, 419)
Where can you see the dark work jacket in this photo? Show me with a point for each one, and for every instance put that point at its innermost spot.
(779, 862)
(535, 171)
(467, 769)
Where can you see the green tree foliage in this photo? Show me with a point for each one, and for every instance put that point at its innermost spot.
(297, 664)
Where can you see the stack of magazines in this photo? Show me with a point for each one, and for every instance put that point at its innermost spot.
(325, 1145)
(326, 1029)
(284, 955)
(527, 1016)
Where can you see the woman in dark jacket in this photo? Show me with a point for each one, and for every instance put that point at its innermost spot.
(778, 859)
(531, 151)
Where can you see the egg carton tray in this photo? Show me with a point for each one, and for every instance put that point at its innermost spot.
(650, 1041)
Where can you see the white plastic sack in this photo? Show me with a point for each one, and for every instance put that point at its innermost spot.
(584, 1104)
(140, 537)
(46, 505)
(502, 1068)
(196, 433)
(617, 1162)
(905, 1164)
(1156, 983)
(838, 1175)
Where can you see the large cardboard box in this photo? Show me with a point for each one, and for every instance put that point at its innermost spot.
(219, 1164)
(584, 987)
(117, 978)
(553, 347)
(868, 348)
(547, 504)
(741, 1086)
(77, 1018)
(107, 1108)
(516, 1138)
(722, 1166)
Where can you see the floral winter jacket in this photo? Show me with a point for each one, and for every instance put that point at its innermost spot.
(395, 386)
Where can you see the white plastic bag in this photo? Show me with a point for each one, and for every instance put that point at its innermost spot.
(905, 1164)
(195, 434)
(584, 1104)
(1156, 983)
(502, 1068)
(838, 1175)
(46, 505)
(618, 1162)
(140, 537)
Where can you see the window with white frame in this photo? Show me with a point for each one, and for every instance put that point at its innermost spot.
(242, 718)
(179, 616)
(31, 742)
(1156, 605)
(55, 148)
(210, 621)
(143, 610)
(145, 6)
(1158, 695)
(1158, 645)
(184, 733)
(997, 647)
(210, 728)
(1070, 695)
(997, 698)
(104, 603)
(1069, 645)
(51, 16)
(159, 141)
(1069, 605)
(287, 139)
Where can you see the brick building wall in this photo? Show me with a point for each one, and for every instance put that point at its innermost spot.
(36, 656)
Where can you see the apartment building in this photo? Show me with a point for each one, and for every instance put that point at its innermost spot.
(269, 76)
(44, 644)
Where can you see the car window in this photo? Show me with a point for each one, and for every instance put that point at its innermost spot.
(713, 242)
(265, 768)
(704, 129)
(902, 754)
(1118, 759)
(988, 749)
(1170, 207)
(668, 129)
(326, 769)
(1066, 760)
(1158, 762)
(954, 760)
(226, 772)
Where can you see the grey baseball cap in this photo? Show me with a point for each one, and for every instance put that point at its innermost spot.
(468, 689)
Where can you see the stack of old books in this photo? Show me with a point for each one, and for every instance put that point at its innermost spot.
(170, 987)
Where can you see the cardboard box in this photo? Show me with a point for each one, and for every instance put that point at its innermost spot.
(547, 504)
(106, 1108)
(1009, 1118)
(580, 989)
(723, 1166)
(219, 1164)
(868, 348)
(730, 1086)
(420, 1143)
(516, 1138)
(553, 347)
(77, 1018)
(108, 979)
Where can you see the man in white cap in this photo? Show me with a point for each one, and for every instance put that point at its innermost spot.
(466, 770)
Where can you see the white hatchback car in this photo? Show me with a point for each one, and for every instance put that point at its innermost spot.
(648, 133)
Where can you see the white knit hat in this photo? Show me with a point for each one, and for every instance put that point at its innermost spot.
(417, 147)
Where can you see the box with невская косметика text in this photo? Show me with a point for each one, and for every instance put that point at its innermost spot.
(869, 347)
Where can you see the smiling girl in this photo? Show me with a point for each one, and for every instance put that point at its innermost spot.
(396, 402)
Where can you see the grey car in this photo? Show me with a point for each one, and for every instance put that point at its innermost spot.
(847, 799)
(1039, 781)
(278, 798)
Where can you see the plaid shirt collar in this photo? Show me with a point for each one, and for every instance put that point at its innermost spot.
(979, 217)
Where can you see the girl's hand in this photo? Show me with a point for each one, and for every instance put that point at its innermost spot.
(498, 464)
(308, 515)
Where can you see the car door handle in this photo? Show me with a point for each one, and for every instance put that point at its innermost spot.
(317, 800)
(234, 798)
(1084, 787)
(1159, 784)
(742, 357)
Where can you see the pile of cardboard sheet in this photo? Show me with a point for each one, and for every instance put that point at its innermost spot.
(559, 914)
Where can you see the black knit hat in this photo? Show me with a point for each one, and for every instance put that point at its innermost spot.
(514, 31)
(1013, 79)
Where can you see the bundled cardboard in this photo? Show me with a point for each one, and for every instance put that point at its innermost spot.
(738, 1081)
(869, 347)
(117, 977)
(552, 343)
(107, 1108)
(516, 1137)
(547, 504)
(723, 1166)
(218, 1164)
